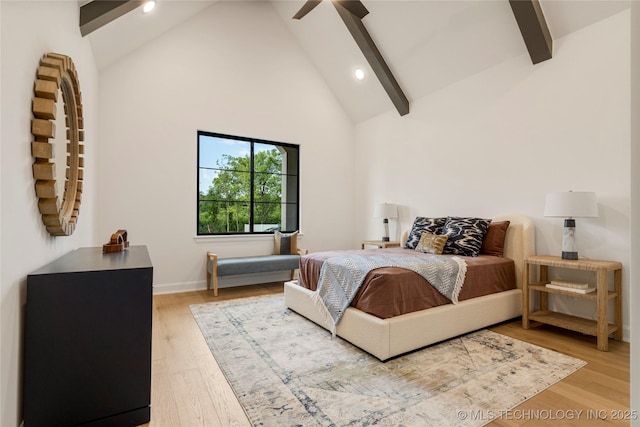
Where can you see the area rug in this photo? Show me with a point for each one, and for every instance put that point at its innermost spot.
(287, 371)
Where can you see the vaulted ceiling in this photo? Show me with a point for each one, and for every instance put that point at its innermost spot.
(428, 44)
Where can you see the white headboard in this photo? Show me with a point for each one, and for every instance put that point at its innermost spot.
(519, 243)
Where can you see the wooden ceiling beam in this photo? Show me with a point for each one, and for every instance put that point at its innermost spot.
(374, 57)
(534, 29)
(307, 7)
(355, 7)
(98, 13)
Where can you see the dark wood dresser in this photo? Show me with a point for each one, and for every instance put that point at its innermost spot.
(87, 357)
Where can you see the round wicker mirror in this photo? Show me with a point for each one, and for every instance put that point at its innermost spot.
(59, 205)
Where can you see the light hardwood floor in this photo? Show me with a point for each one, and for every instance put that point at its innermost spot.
(188, 389)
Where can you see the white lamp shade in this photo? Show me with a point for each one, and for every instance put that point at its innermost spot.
(386, 210)
(571, 204)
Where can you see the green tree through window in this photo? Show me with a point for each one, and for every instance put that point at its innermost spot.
(246, 185)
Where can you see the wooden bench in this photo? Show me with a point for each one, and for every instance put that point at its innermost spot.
(217, 267)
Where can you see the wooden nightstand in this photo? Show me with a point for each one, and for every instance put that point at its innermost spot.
(600, 328)
(380, 244)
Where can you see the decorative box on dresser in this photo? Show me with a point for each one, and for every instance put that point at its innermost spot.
(600, 327)
(88, 340)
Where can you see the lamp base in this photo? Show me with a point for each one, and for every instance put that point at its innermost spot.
(568, 239)
(385, 224)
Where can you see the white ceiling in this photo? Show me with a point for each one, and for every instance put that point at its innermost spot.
(134, 29)
(428, 44)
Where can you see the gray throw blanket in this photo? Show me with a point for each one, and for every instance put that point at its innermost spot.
(342, 276)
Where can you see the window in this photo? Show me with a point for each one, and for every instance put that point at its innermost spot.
(246, 185)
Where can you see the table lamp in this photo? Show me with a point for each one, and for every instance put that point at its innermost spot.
(386, 211)
(570, 205)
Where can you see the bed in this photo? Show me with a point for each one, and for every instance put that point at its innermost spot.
(386, 333)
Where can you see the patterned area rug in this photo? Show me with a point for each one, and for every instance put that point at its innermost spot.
(287, 371)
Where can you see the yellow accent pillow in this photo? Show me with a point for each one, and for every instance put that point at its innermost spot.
(431, 243)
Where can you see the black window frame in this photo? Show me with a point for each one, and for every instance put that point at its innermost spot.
(292, 149)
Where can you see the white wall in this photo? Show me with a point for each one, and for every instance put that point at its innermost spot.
(30, 29)
(634, 293)
(499, 141)
(232, 69)
(510, 127)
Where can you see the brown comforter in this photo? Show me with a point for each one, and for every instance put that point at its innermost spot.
(392, 291)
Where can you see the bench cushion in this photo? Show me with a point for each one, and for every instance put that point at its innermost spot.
(257, 264)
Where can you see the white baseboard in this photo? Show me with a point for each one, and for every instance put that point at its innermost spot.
(174, 288)
(223, 282)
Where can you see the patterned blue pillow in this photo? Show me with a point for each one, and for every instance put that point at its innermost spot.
(421, 225)
(465, 235)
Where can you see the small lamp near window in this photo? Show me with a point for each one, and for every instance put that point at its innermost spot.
(386, 211)
(570, 205)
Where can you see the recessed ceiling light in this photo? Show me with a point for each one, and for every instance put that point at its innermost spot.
(359, 73)
(148, 6)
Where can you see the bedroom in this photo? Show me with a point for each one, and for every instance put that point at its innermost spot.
(267, 87)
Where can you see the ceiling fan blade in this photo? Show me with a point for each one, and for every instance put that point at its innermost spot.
(306, 8)
(354, 6)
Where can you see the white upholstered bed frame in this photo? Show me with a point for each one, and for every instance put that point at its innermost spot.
(386, 338)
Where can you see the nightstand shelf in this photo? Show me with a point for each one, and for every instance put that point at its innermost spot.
(380, 244)
(566, 321)
(600, 327)
(592, 295)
